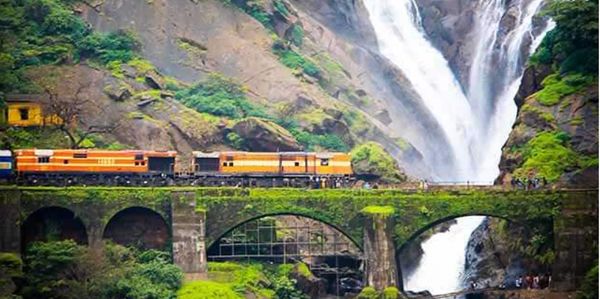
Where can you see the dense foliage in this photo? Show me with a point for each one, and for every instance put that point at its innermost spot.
(34, 32)
(296, 61)
(573, 44)
(235, 280)
(589, 287)
(221, 96)
(63, 269)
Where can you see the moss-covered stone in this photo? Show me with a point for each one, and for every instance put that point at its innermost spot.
(371, 159)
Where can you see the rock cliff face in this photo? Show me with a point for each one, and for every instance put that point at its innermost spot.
(574, 117)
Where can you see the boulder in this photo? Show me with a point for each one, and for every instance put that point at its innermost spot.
(264, 135)
(370, 160)
(118, 92)
(307, 282)
(154, 81)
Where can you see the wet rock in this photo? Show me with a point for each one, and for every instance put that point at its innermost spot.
(264, 135)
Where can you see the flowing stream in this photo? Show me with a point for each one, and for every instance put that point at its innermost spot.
(475, 117)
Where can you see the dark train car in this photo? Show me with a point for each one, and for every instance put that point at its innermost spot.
(6, 164)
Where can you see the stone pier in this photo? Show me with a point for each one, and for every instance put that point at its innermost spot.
(380, 255)
(189, 229)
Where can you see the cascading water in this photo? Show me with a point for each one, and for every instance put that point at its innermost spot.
(477, 122)
(443, 254)
(476, 118)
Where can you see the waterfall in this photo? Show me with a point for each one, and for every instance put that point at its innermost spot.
(476, 119)
(441, 266)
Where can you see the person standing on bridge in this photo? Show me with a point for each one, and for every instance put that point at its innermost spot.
(519, 282)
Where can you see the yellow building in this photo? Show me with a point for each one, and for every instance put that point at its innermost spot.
(25, 111)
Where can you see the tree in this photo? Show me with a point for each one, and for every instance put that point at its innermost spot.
(71, 111)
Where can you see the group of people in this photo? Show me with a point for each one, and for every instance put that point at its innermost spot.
(528, 184)
(533, 281)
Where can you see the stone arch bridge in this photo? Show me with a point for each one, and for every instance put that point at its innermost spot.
(380, 222)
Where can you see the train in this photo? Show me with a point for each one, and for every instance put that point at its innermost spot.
(66, 167)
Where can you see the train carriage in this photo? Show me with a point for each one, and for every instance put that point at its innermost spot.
(6, 164)
(40, 164)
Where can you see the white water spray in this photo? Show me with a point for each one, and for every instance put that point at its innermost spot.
(476, 123)
(443, 255)
(402, 40)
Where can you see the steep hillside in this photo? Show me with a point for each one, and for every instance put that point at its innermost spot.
(555, 136)
(186, 75)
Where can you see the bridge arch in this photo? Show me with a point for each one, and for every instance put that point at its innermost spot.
(53, 223)
(213, 241)
(138, 226)
(447, 218)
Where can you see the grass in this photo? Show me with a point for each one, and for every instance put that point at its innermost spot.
(371, 159)
(207, 290)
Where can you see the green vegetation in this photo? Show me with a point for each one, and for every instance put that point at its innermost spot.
(207, 290)
(63, 269)
(589, 287)
(371, 159)
(381, 211)
(390, 293)
(37, 32)
(296, 35)
(557, 87)
(315, 142)
(46, 137)
(303, 270)
(11, 271)
(295, 61)
(546, 116)
(235, 280)
(368, 293)
(548, 155)
(573, 44)
(220, 96)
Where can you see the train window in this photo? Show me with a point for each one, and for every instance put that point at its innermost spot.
(296, 163)
(143, 163)
(80, 155)
(24, 113)
(137, 163)
(225, 164)
(230, 163)
(139, 157)
(324, 162)
(43, 159)
(65, 161)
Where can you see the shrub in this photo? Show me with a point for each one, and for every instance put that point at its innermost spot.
(390, 293)
(368, 293)
(219, 95)
(296, 35)
(296, 61)
(589, 287)
(109, 47)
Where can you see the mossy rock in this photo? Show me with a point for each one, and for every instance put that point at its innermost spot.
(371, 160)
(264, 135)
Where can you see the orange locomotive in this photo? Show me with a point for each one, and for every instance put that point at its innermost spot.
(280, 163)
(136, 167)
(90, 165)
